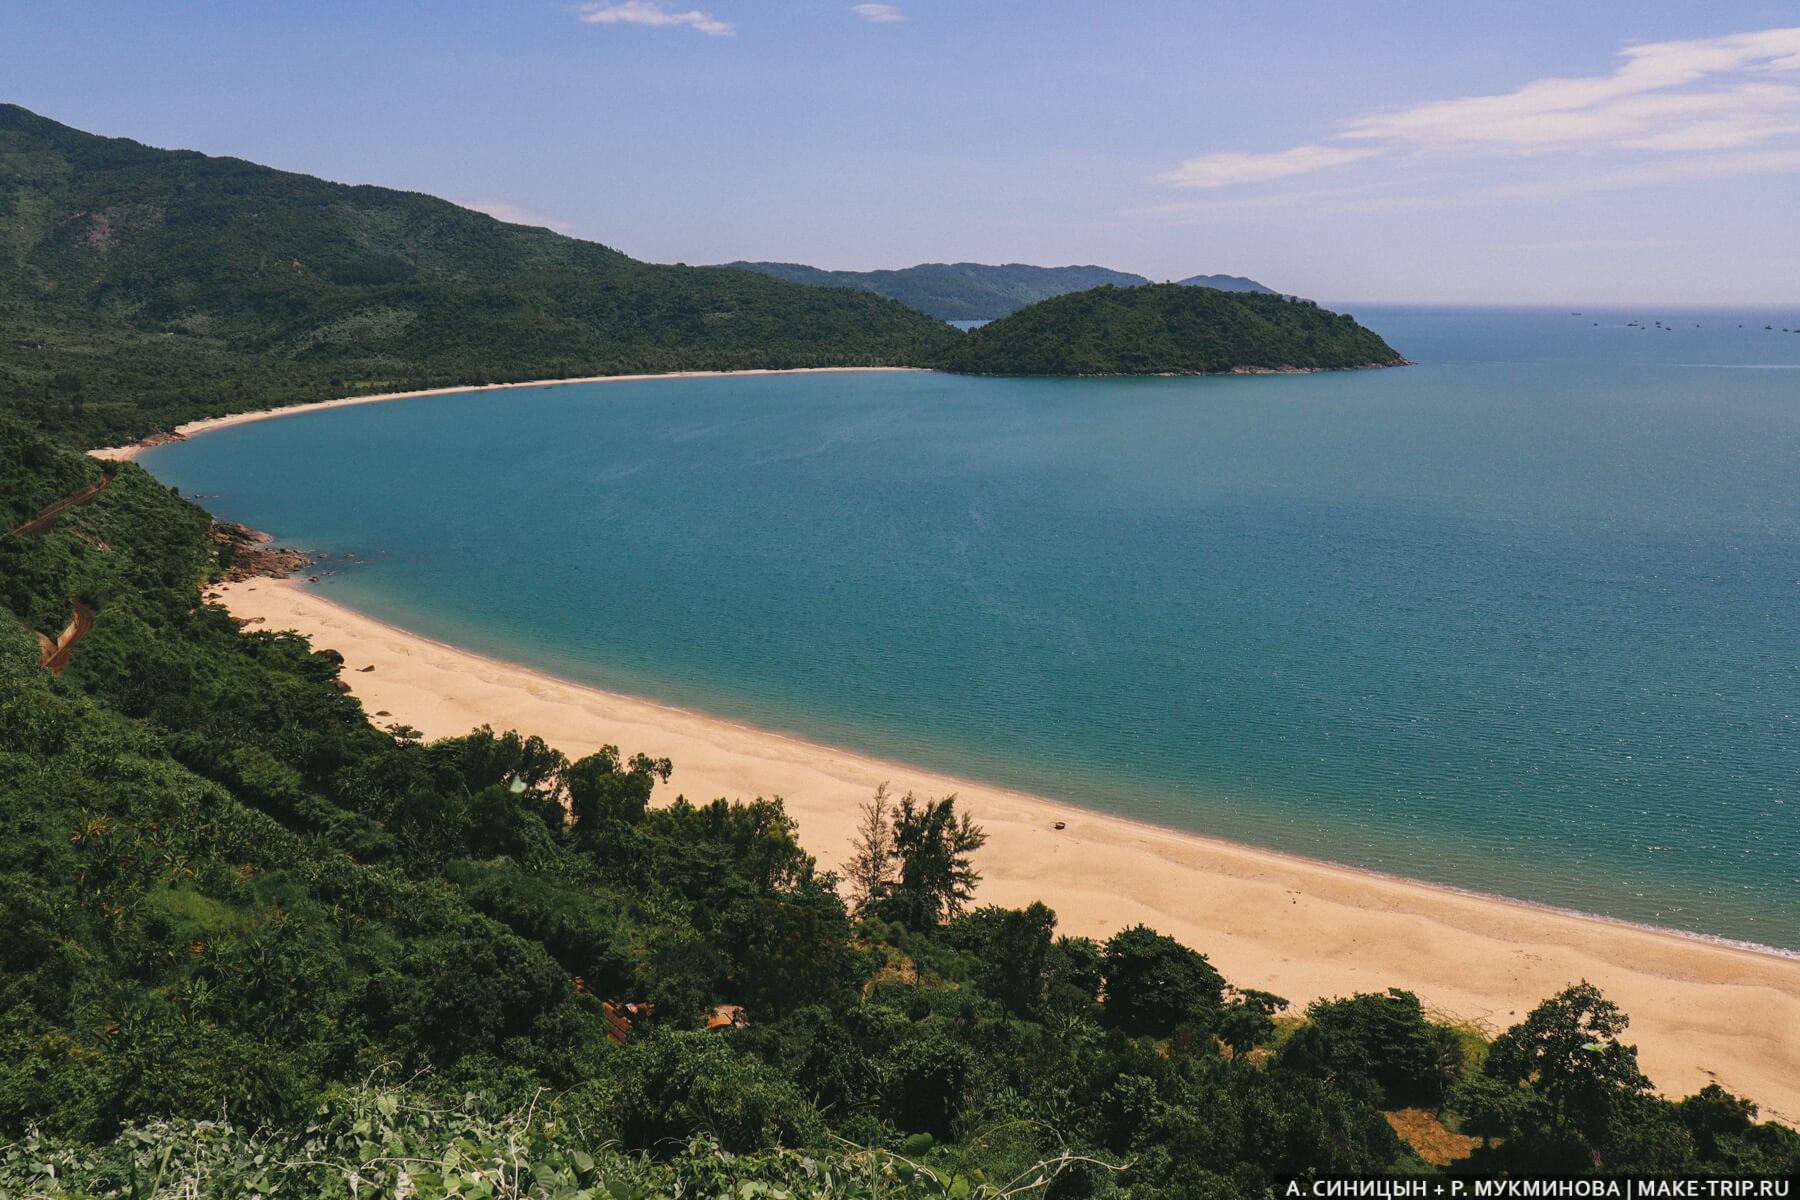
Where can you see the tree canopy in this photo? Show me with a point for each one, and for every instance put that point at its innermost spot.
(913, 860)
(1154, 983)
(1166, 329)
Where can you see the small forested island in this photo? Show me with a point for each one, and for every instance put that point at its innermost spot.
(1167, 329)
(252, 943)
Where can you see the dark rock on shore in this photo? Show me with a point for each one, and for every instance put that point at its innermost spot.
(243, 552)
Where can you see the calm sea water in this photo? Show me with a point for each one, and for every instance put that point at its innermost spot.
(1523, 618)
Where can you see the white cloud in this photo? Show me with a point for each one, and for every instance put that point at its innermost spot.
(1220, 170)
(1653, 98)
(515, 214)
(877, 13)
(1499, 184)
(649, 12)
(1666, 98)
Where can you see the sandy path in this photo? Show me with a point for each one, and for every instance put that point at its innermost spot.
(56, 654)
(1701, 1012)
(41, 524)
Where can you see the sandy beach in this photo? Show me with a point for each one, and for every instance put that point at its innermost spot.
(131, 451)
(1700, 1012)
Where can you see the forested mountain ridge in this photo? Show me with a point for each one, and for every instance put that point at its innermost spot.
(252, 943)
(977, 292)
(140, 288)
(1226, 283)
(957, 291)
(1166, 329)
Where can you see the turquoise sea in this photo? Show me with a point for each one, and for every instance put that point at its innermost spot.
(1523, 618)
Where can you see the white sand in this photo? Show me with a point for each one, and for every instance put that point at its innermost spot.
(1701, 1012)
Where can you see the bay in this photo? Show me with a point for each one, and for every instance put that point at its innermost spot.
(1520, 618)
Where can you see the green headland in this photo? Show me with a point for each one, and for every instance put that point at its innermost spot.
(1167, 329)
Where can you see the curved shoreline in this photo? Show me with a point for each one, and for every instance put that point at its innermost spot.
(1703, 1010)
(230, 595)
(206, 425)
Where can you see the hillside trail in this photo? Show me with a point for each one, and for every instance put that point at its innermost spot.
(55, 654)
(39, 525)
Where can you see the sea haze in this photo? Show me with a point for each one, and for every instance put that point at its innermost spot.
(1521, 618)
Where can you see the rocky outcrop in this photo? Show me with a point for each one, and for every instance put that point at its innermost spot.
(245, 553)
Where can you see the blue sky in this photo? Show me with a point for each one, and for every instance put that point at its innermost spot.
(1591, 151)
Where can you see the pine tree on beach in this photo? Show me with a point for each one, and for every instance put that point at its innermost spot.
(870, 871)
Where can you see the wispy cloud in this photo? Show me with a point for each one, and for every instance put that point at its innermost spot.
(1605, 244)
(649, 12)
(1489, 182)
(1653, 174)
(515, 214)
(877, 13)
(1666, 98)
(1219, 170)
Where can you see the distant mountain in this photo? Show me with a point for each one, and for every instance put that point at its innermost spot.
(956, 291)
(975, 292)
(140, 288)
(1167, 329)
(1227, 283)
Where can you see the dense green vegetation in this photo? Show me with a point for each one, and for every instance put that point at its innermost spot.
(141, 288)
(250, 942)
(1166, 329)
(957, 291)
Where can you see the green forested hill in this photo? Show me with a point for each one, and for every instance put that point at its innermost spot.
(957, 291)
(251, 944)
(140, 288)
(1166, 329)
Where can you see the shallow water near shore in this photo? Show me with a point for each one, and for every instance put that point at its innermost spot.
(1519, 619)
